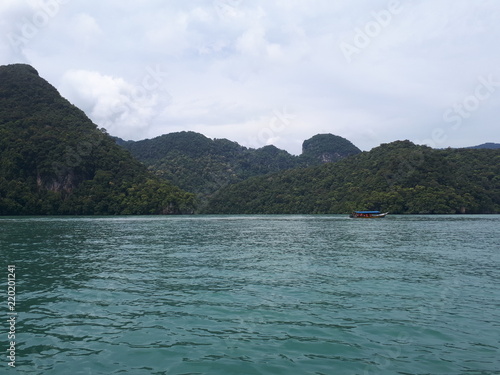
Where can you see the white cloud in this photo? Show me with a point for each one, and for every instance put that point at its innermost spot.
(85, 31)
(111, 102)
(226, 65)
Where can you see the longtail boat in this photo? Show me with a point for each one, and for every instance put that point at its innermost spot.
(368, 214)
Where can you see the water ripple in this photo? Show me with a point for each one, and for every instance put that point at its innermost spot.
(256, 294)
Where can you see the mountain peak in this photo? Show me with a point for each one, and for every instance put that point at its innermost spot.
(19, 68)
(328, 148)
(23, 94)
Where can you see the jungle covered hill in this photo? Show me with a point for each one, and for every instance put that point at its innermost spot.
(203, 166)
(54, 160)
(399, 177)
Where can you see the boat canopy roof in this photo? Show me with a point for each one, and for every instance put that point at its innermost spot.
(367, 212)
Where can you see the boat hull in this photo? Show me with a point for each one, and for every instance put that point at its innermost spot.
(356, 215)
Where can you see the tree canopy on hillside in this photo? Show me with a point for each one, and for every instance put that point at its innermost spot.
(399, 177)
(54, 160)
(203, 166)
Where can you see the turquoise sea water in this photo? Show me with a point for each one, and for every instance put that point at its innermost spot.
(253, 295)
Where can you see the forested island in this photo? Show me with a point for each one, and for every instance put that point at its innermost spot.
(55, 161)
(399, 177)
(203, 166)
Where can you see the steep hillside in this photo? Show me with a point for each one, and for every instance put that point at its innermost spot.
(201, 165)
(490, 146)
(399, 177)
(54, 160)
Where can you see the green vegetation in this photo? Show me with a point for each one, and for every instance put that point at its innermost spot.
(399, 177)
(54, 160)
(204, 166)
(327, 148)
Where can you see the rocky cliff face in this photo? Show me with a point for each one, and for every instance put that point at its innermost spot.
(60, 184)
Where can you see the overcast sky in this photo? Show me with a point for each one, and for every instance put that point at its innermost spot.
(270, 71)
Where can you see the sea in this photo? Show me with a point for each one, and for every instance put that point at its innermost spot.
(272, 294)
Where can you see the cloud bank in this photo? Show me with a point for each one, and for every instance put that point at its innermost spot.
(265, 72)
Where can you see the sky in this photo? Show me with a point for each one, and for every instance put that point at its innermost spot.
(262, 72)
